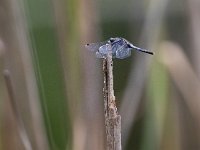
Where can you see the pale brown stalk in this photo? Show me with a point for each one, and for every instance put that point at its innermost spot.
(20, 124)
(112, 119)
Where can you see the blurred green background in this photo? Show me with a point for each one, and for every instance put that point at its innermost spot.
(51, 86)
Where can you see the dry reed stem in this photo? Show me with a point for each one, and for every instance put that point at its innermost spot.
(154, 17)
(20, 125)
(183, 75)
(112, 119)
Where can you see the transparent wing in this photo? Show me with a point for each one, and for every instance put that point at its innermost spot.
(116, 46)
(99, 55)
(105, 48)
(123, 52)
(94, 46)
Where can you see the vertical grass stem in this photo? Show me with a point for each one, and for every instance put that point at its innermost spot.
(112, 119)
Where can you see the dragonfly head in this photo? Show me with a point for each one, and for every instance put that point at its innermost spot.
(115, 40)
(112, 40)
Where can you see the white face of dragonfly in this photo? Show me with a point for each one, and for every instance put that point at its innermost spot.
(120, 47)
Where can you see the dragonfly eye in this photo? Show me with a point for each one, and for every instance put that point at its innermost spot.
(112, 40)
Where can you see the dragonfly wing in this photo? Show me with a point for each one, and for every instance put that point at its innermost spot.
(123, 52)
(103, 49)
(99, 55)
(94, 46)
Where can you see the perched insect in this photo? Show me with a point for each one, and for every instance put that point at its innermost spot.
(120, 47)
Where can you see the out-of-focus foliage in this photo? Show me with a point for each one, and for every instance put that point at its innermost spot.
(49, 74)
(56, 101)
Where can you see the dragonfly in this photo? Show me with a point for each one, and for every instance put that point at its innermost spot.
(119, 47)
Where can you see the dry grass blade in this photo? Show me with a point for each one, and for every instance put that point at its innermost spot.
(17, 59)
(88, 132)
(154, 17)
(194, 11)
(112, 119)
(21, 128)
(183, 75)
